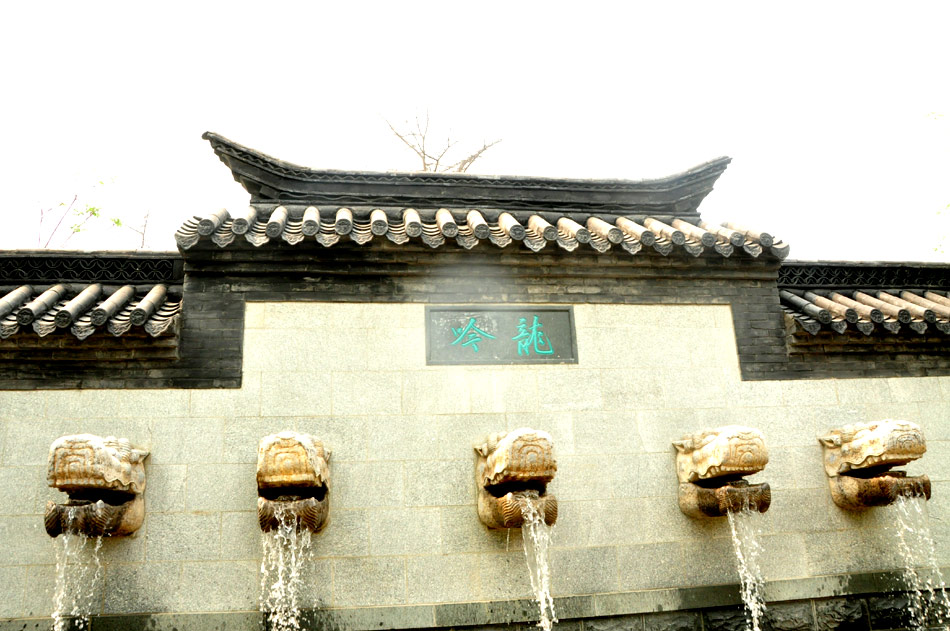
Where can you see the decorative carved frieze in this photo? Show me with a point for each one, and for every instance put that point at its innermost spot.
(104, 479)
(859, 459)
(711, 465)
(509, 463)
(862, 275)
(76, 267)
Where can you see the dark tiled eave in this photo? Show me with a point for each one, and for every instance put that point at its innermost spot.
(864, 299)
(328, 225)
(84, 309)
(42, 292)
(269, 179)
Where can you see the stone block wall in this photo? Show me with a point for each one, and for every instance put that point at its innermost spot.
(403, 538)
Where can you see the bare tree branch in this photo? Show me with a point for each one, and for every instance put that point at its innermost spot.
(39, 232)
(462, 165)
(145, 227)
(449, 143)
(433, 162)
(422, 140)
(143, 230)
(412, 145)
(58, 223)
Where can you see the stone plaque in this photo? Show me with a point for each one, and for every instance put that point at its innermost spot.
(500, 335)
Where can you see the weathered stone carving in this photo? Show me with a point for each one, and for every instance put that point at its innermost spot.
(710, 466)
(509, 463)
(104, 479)
(293, 481)
(858, 461)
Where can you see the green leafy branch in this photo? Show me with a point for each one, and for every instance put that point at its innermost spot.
(79, 218)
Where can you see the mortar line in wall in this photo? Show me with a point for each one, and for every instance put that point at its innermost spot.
(405, 580)
(332, 582)
(224, 430)
(402, 394)
(405, 483)
(260, 394)
(475, 559)
(333, 379)
(617, 565)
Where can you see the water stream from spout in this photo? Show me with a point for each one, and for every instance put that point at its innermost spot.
(78, 573)
(747, 548)
(536, 536)
(286, 550)
(927, 590)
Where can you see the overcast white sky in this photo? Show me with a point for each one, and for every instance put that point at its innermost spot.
(836, 115)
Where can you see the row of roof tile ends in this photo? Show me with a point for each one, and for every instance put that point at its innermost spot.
(87, 308)
(867, 310)
(468, 228)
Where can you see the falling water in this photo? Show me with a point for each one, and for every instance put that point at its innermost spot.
(928, 594)
(78, 573)
(286, 550)
(536, 536)
(744, 542)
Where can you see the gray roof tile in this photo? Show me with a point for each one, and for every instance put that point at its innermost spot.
(329, 225)
(86, 309)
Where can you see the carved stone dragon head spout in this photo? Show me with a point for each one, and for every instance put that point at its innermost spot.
(859, 458)
(293, 481)
(711, 465)
(509, 463)
(103, 478)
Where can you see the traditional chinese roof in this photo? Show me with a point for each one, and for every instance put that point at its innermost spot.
(865, 299)
(116, 293)
(296, 205)
(270, 179)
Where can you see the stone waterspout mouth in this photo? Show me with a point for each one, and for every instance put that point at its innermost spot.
(512, 463)
(711, 466)
(859, 461)
(104, 480)
(293, 481)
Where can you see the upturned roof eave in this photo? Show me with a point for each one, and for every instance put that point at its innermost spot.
(270, 179)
